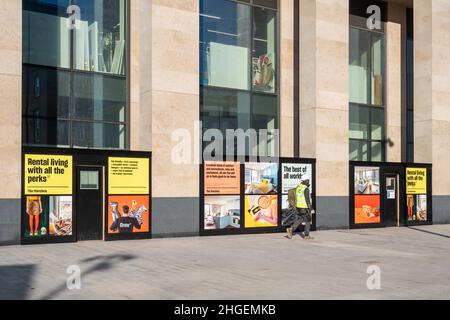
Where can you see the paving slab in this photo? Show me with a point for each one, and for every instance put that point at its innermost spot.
(413, 264)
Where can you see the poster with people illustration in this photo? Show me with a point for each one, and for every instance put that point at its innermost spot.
(128, 214)
(47, 196)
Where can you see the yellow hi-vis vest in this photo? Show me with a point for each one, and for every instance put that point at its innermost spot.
(300, 197)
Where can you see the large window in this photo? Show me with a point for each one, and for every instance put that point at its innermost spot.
(367, 112)
(75, 73)
(238, 67)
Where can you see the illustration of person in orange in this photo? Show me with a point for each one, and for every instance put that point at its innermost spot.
(410, 207)
(34, 211)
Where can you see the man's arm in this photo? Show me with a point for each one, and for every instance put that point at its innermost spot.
(308, 199)
(113, 226)
(136, 223)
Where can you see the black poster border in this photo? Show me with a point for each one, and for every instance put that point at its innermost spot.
(257, 230)
(399, 167)
(77, 155)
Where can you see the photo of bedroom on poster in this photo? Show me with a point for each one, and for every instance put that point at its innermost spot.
(222, 212)
(367, 180)
(128, 214)
(261, 178)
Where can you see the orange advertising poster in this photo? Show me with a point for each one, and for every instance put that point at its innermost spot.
(222, 178)
(128, 214)
(367, 209)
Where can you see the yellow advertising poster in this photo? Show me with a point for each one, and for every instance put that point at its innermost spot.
(48, 174)
(416, 181)
(128, 176)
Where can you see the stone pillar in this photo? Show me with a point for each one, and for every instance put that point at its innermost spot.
(432, 97)
(10, 120)
(175, 105)
(324, 104)
(286, 76)
(395, 33)
(140, 75)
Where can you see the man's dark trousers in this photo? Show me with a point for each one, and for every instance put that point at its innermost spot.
(302, 216)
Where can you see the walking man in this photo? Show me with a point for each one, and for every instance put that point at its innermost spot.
(304, 209)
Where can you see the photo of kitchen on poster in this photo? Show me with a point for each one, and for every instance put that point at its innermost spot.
(222, 212)
(261, 211)
(128, 214)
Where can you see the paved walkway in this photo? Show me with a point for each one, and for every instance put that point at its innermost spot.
(415, 264)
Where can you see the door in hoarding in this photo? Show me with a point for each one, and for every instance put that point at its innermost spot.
(89, 206)
(391, 200)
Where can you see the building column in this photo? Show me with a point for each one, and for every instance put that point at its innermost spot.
(286, 77)
(324, 104)
(175, 104)
(10, 120)
(432, 98)
(395, 37)
(140, 73)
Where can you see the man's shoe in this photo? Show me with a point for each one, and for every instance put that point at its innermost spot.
(289, 233)
(308, 238)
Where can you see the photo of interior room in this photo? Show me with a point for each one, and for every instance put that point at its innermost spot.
(261, 178)
(367, 180)
(222, 212)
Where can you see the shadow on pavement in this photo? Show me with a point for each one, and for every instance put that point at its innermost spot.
(15, 281)
(101, 263)
(430, 232)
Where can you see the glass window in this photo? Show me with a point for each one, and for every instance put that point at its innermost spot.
(359, 122)
(47, 132)
(225, 44)
(359, 66)
(238, 57)
(358, 150)
(376, 152)
(377, 72)
(46, 38)
(264, 49)
(89, 180)
(100, 38)
(100, 98)
(265, 117)
(46, 92)
(98, 135)
(366, 111)
(75, 90)
(223, 109)
(377, 124)
(366, 67)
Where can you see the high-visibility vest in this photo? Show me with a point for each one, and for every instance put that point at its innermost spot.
(300, 197)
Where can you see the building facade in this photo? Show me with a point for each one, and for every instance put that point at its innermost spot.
(358, 90)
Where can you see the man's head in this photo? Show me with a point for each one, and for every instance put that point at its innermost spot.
(126, 210)
(305, 180)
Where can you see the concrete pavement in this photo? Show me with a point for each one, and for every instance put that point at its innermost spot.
(414, 264)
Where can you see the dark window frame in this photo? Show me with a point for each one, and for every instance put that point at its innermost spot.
(251, 91)
(358, 23)
(73, 72)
